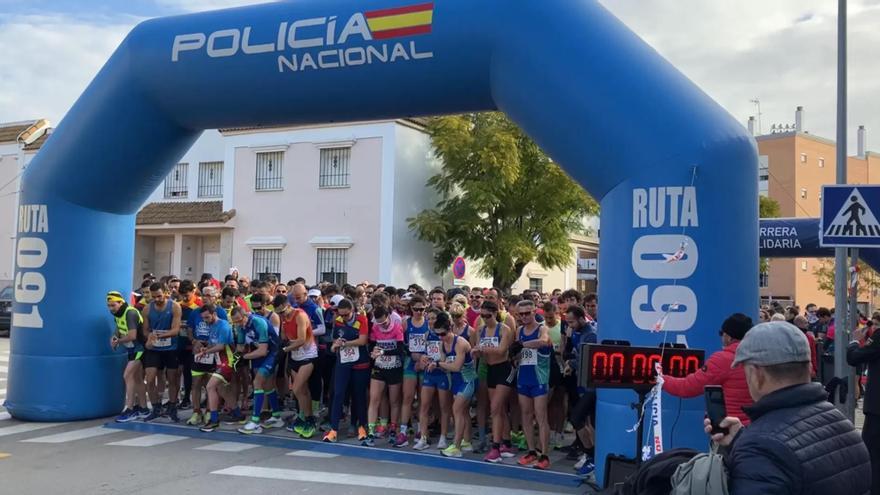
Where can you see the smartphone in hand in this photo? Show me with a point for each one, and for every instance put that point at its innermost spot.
(715, 409)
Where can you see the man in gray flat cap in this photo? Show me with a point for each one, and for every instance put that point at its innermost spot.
(797, 443)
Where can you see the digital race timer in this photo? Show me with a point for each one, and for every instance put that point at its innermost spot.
(623, 366)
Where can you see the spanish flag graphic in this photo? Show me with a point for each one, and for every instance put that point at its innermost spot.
(402, 21)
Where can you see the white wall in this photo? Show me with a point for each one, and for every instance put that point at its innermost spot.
(412, 260)
(208, 148)
(10, 183)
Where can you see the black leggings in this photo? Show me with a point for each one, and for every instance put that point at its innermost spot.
(186, 360)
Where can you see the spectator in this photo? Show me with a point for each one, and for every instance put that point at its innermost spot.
(804, 326)
(868, 353)
(798, 442)
(820, 326)
(718, 371)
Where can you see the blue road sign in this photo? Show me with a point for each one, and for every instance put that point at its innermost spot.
(848, 218)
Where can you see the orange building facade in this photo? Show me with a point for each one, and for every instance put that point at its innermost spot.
(793, 168)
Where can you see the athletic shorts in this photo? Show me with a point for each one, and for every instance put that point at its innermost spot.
(296, 365)
(409, 369)
(224, 372)
(265, 366)
(393, 376)
(483, 371)
(500, 374)
(583, 409)
(134, 355)
(531, 390)
(161, 359)
(281, 362)
(440, 381)
(201, 369)
(461, 388)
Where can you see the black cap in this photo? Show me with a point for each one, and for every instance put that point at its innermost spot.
(279, 300)
(736, 326)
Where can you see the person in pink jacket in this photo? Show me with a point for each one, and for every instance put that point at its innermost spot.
(717, 371)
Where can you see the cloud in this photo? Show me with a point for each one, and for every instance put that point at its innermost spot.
(48, 60)
(783, 52)
(203, 5)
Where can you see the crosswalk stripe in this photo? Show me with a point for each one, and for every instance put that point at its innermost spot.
(337, 478)
(70, 436)
(25, 427)
(4, 416)
(228, 447)
(148, 440)
(312, 453)
(4, 369)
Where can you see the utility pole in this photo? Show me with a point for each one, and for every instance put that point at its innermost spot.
(842, 325)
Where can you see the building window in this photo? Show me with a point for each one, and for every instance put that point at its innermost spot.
(536, 284)
(803, 265)
(803, 193)
(821, 163)
(211, 179)
(803, 158)
(763, 280)
(175, 183)
(269, 168)
(267, 262)
(334, 167)
(332, 266)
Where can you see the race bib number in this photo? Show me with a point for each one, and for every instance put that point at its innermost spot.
(349, 355)
(528, 357)
(489, 342)
(387, 362)
(162, 343)
(208, 358)
(417, 343)
(433, 350)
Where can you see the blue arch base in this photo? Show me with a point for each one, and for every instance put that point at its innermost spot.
(620, 119)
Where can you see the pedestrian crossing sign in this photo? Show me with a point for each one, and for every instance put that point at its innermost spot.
(848, 218)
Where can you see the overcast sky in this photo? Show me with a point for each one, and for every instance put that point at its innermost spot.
(781, 51)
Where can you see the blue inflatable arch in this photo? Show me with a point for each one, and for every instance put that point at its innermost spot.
(666, 161)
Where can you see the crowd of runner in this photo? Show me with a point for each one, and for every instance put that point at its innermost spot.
(460, 370)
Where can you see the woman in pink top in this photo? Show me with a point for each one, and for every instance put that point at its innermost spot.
(386, 343)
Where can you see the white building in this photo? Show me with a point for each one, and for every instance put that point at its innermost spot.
(326, 202)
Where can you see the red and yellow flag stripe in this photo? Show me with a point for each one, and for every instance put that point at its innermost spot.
(402, 21)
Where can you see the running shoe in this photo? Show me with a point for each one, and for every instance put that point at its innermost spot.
(362, 434)
(483, 446)
(583, 460)
(441, 444)
(195, 419)
(330, 437)
(154, 414)
(370, 441)
(235, 419)
(402, 440)
(451, 451)
(587, 469)
(172, 413)
(210, 426)
(494, 455)
(141, 412)
(125, 416)
(574, 454)
(528, 459)
(307, 430)
(250, 428)
(507, 451)
(185, 404)
(466, 446)
(516, 436)
(543, 463)
(273, 422)
(422, 444)
(521, 444)
(381, 431)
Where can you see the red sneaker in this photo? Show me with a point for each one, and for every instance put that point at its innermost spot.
(543, 463)
(528, 459)
(494, 456)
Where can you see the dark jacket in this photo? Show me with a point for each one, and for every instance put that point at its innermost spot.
(798, 443)
(868, 354)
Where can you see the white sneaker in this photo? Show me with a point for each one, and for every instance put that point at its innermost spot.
(273, 422)
(422, 444)
(568, 428)
(251, 428)
(580, 463)
(441, 444)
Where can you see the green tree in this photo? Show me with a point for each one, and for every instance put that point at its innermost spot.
(868, 278)
(502, 201)
(767, 208)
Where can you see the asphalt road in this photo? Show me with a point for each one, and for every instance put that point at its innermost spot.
(87, 458)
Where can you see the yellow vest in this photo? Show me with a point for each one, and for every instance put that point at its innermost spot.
(122, 321)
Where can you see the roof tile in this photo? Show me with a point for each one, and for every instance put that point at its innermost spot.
(179, 212)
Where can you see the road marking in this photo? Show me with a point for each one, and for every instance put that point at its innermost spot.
(4, 369)
(228, 447)
(312, 453)
(4, 416)
(149, 440)
(25, 427)
(337, 478)
(70, 436)
(4, 455)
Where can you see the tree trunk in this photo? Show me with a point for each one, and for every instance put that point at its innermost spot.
(504, 283)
